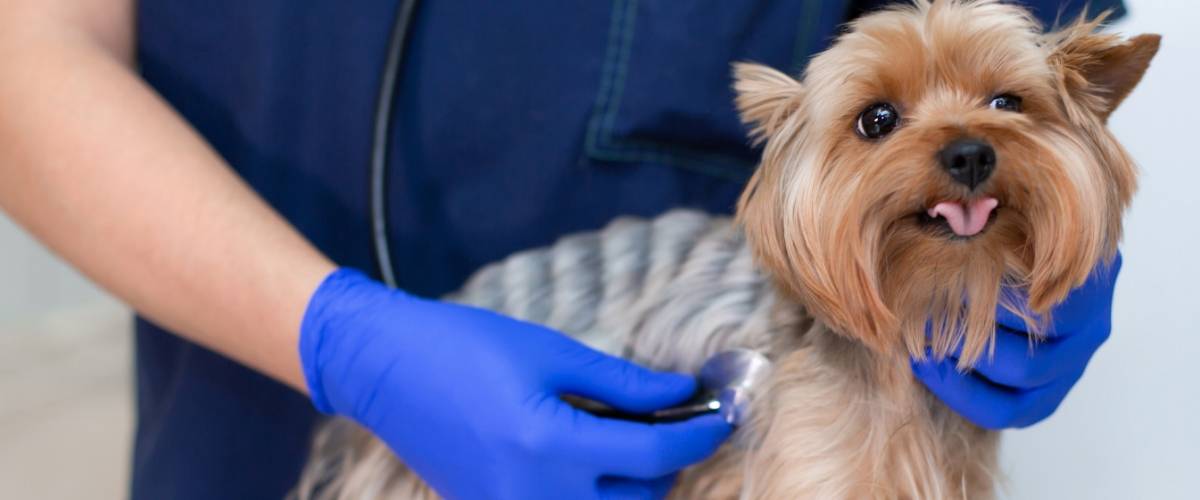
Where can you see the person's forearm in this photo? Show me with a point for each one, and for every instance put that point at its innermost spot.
(103, 172)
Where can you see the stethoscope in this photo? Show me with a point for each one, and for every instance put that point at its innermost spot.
(728, 380)
(380, 139)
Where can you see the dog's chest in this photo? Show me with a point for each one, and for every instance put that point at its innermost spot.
(666, 292)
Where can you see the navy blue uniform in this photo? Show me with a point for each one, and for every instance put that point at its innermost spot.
(516, 122)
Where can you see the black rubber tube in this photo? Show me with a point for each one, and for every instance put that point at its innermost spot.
(381, 139)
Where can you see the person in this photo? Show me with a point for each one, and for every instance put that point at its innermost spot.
(206, 162)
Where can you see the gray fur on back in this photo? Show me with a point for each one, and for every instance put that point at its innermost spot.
(666, 292)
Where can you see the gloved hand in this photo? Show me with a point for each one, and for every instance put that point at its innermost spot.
(1019, 387)
(469, 399)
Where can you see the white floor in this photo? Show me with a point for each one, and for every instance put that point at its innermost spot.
(66, 407)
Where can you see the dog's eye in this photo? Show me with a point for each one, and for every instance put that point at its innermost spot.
(1006, 102)
(878, 120)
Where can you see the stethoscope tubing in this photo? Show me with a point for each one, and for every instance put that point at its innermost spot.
(381, 139)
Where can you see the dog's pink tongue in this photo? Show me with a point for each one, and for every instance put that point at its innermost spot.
(965, 221)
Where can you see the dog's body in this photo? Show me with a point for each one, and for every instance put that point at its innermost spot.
(936, 158)
(668, 293)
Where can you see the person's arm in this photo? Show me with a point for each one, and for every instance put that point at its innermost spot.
(106, 174)
(103, 172)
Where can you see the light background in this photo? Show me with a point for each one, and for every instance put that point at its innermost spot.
(1126, 431)
(1129, 429)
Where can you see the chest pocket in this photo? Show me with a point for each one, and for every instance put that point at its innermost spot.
(665, 95)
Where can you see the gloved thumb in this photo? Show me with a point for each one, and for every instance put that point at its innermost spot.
(622, 384)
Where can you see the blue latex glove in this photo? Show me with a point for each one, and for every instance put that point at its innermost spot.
(1019, 387)
(469, 399)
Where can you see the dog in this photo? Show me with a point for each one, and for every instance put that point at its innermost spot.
(937, 157)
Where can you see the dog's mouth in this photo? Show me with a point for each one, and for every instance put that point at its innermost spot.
(961, 219)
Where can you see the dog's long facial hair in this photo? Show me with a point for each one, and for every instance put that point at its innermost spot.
(938, 158)
(842, 220)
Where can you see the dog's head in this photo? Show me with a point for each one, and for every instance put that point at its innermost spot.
(937, 156)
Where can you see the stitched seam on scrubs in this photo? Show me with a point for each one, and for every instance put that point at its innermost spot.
(606, 77)
(808, 23)
(621, 48)
(621, 76)
(601, 141)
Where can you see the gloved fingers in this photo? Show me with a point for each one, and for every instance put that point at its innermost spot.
(640, 451)
(989, 405)
(1018, 363)
(986, 404)
(1086, 309)
(1042, 402)
(620, 488)
(620, 383)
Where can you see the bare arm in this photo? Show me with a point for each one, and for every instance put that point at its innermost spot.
(107, 175)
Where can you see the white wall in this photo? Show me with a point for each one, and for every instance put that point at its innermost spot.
(66, 408)
(36, 287)
(1129, 429)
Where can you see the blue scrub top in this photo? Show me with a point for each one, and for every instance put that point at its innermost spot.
(516, 122)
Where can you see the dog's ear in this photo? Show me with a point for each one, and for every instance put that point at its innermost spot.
(765, 98)
(1099, 70)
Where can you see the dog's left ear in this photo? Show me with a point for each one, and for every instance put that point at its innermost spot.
(1099, 70)
(765, 98)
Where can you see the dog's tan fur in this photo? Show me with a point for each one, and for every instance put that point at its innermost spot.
(830, 214)
(832, 218)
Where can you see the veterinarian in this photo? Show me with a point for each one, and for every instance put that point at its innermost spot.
(207, 162)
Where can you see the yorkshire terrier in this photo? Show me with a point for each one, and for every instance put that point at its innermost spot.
(936, 156)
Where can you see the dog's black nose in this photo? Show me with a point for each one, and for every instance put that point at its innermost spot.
(968, 161)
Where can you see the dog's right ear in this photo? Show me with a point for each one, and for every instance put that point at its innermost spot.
(765, 98)
(1098, 70)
